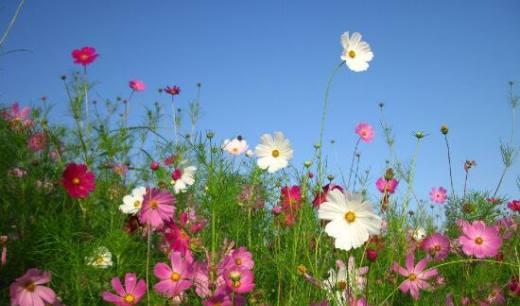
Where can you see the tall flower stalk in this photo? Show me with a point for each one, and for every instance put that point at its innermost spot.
(444, 131)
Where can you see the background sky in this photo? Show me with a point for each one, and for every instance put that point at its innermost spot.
(264, 65)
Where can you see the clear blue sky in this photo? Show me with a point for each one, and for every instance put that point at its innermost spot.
(264, 66)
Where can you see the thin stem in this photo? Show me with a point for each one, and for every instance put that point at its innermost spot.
(148, 265)
(465, 184)
(126, 107)
(500, 181)
(352, 162)
(356, 177)
(449, 163)
(11, 24)
(174, 121)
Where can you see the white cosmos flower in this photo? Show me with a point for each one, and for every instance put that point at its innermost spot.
(132, 202)
(337, 282)
(352, 220)
(356, 53)
(419, 234)
(102, 258)
(273, 153)
(235, 146)
(250, 153)
(183, 177)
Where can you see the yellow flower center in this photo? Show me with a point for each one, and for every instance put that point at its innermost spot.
(154, 204)
(175, 276)
(437, 248)
(100, 260)
(350, 217)
(342, 285)
(352, 54)
(275, 153)
(30, 286)
(129, 298)
(75, 181)
(236, 284)
(137, 204)
(235, 150)
(479, 240)
(412, 277)
(238, 261)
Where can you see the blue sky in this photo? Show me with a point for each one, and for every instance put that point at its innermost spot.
(264, 67)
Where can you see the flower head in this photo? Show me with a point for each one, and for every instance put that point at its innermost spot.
(77, 180)
(321, 196)
(102, 258)
(480, 240)
(132, 202)
(235, 146)
(514, 205)
(384, 185)
(30, 290)
(183, 177)
(356, 53)
(274, 152)
(174, 278)
(438, 195)
(17, 117)
(437, 246)
(239, 258)
(128, 295)
(137, 85)
(158, 207)
(173, 90)
(37, 142)
(417, 276)
(84, 56)
(239, 280)
(365, 132)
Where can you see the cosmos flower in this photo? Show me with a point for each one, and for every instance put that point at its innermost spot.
(158, 207)
(37, 142)
(84, 56)
(137, 85)
(128, 295)
(418, 234)
(102, 258)
(417, 276)
(351, 218)
(480, 240)
(183, 177)
(337, 283)
(18, 117)
(30, 290)
(239, 258)
(365, 132)
(173, 90)
(240, 280)
(437, 246)
(514, 205)
(384, 185)
(235, 146)
(78, 181)
(174, 278)
(132, 202)
(321, 197)
(356, 53)
(274, 152)
(438, 195)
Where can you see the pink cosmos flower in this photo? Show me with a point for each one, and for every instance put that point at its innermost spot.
(177, 238)
(496, 297)
(191, 221)
(507, 227)
(290, 197)
(158, 207)
(84, 56)
(137, 85)
(321, 197)
(29, 289)
(174, 279)
(480, 240)
(17, 116)
(239, 259)
(365, 132)
(389, 186)
(437, 246)
(438, 195)
(225, 300)
(239, 280)
(78, 181)
(130, 295)
(18, 172)
(417, 276)
(173, 90)
(37, 142)
(514, 205)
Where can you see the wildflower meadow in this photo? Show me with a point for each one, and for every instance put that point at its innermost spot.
(115, 208)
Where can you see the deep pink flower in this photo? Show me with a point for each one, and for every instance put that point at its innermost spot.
(480, 240)
(154, 165)
(78, 181)
(365, 132)
(191, 221)
(514, 286)
(321, 197)
(176, 278)
(239, 258)
(239, 280)
(137, 85)
(389, 186)
(437, 246)
(158, 207)
(18, 117)
(84, 56)
(130, 295)
(29, 289)
(514, 205)
(37, 142)
(417, 276)
(290, 197)
(173, 90)
(170, 160)
(177, 238)
(438, 195)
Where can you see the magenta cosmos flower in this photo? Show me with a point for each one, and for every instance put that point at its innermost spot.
(438, 195)
(37, 142)
(514, 205)
(78, 181)
(417, 276)
(128, 295)
(321, 196)
(29, 289)
(437, 246)
(386, 186)
(365, 132)
(239, 280)
(158, 207)
(174, 279)
(137, 85)
(173, 90)
(84, 56)
(18, 116)
(239, 258)
(480, 240)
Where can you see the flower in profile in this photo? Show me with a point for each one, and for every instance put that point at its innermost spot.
(132, 202)
(438, 195)
(235, 146)
(239, 280)
(480, 240)
(30, 290)
(514, 205)
(18, 117)
(174, 278)
(321, 196)
(177, 238)
(352, 220)
(183, 177)
(356, 53)
(417, 276)
(84, 56)
(274, 152)
(102, 258)
(418, 234)
(173, 90)
(37, 142)
(384, 185)
(128, 295)
(137, 85)
(365, 132)
(158, 207)
(437, 246)
(78, 181)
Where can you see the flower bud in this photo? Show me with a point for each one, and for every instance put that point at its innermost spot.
(154, 165)
(389, 174)
(444, 129)
(371, 255)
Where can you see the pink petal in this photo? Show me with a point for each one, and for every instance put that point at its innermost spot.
(116, 284)
(47, 294)
(130, 281)
(162, 271)
(110, 297)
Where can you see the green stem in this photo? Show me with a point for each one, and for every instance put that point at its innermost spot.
(449, 163)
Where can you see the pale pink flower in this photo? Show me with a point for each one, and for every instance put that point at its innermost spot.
(437, 246)
(239, 280)
(417, 276)
(30, 289)
(131, 294)
(438, 195)
(37, 142)
(176, 278)
(18, 117)
(158, 207)
(239, 258)
(480, 240)
(137, 85)
(365, 132)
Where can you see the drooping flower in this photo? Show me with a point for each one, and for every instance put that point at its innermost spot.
(437, 246)
(183, 177)
(137, 85)
(77, 180)
(351, 218)
(37, 142)
(388, 186)
(174, 278)
(132, 202)
(84, 56)
(18, 117)
(417, 276)
(102, 258)
(321, 197)
(239, 280)
(438, 195)
(356, 53)
(30, 290)
(480, 240)
(173, 90)
(128, 295)
(274, 152)
(365, 132)
(514, 205)
(235, 146)
(158, 207)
